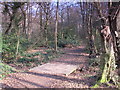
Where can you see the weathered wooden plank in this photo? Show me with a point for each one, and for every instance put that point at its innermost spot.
(55, 68)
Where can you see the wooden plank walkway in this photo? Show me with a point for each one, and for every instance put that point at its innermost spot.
(55, 68)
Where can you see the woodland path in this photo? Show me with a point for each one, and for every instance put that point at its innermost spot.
(59, 73)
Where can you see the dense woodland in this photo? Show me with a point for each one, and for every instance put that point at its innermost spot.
(56, 25)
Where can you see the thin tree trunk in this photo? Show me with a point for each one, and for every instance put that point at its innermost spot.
(40, 18)
(68, 16)
(18, 42)
(62, 32)
(56, 26)
(46, 23)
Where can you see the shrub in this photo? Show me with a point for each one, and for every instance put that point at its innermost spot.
(5, 70)
(9, 47)
(27, 60)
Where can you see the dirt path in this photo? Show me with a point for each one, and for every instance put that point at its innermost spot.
(39, 79)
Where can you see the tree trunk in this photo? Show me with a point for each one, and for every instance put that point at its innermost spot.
(18, 42)
(68, 16)
(46, 22)
(118, 41)
(56, 26)
(108, 56)
(40, 16)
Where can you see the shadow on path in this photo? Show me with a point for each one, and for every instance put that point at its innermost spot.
(58, 77)
(29, 82)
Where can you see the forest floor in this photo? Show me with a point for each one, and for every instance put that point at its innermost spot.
(83, 77)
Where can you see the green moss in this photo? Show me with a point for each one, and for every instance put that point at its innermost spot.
(103, 79)
(95, 86)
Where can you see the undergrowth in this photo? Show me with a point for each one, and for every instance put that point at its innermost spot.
(28, 60)
(5, 70)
